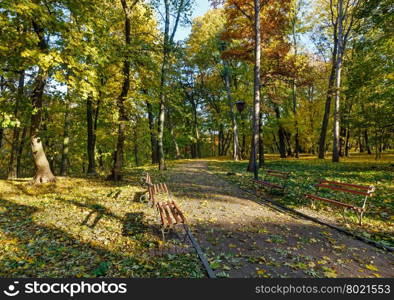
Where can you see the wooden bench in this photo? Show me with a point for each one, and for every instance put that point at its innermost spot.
(170, 215)
(146, 180)
(157, 189)
(169, 212)
(355, 189)
(278, 174)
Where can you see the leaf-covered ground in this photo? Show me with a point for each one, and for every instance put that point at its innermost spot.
(86, 228)
(244, 239)
(378, 222)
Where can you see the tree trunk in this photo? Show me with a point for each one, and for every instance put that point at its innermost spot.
(196, 144)
(288, 142)
(261, 142)
(91, 140)
(177, 151)
(163, 81)
(335, 150)
(1, 136)
(122, 119)
(294, 85)
(12, 167)
(236, 150)
(360, 143)
(66, 141)
(367, 146)
(153, 139)
(21, 146)
(276, 142)
(256, 100)
(136, 150)
(243, 153)
(347, 143)
(100, 158)
(2, 84)
(220, 140)
(297, 135)
(327, 108)
(43, 172)
(342, 141)
(281, 133)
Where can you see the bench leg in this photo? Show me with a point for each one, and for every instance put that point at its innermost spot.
(185, 238)
(313, 206)
(360, 218)
(344, 210)
(143, 198)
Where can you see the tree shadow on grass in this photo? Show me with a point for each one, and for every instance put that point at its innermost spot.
(41, 251)
(34, 250)
(97, 210)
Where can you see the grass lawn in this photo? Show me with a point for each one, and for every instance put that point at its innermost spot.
(378, 222)
(84, 227)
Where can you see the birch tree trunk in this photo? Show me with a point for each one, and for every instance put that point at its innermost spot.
(65, 148)
(338, 68)
(256, 100)
(163, 80)
(236, 148)
(153, 139)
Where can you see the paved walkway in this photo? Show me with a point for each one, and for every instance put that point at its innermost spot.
(244, 239)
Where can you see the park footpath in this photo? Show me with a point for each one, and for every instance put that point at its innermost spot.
(244, 239)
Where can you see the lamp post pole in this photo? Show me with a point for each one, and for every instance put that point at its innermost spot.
(240, 107)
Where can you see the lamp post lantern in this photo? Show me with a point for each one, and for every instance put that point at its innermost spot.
(240, 106)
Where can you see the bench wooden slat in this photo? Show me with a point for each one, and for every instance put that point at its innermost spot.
(361, 187)
(148, 179)
(165, 188)
(179, 212)
(336, 188)
(269, 184)
(314, 197)
(279, 172)
(151, 195)
(161, 212)
(168, 214)
(174, 213)
(278, 175)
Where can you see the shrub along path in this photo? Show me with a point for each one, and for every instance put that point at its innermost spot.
(244, 239)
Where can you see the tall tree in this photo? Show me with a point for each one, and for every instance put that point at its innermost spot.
(123, 118)
(176, 11)
(341, 15)
(12, 167)
(43, 171)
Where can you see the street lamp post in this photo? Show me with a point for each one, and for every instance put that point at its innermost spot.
(240, 107)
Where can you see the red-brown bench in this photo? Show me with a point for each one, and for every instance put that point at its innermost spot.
(355, 189)
(170, 215)
(157, 189)
(146, 180)
(285, 176)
